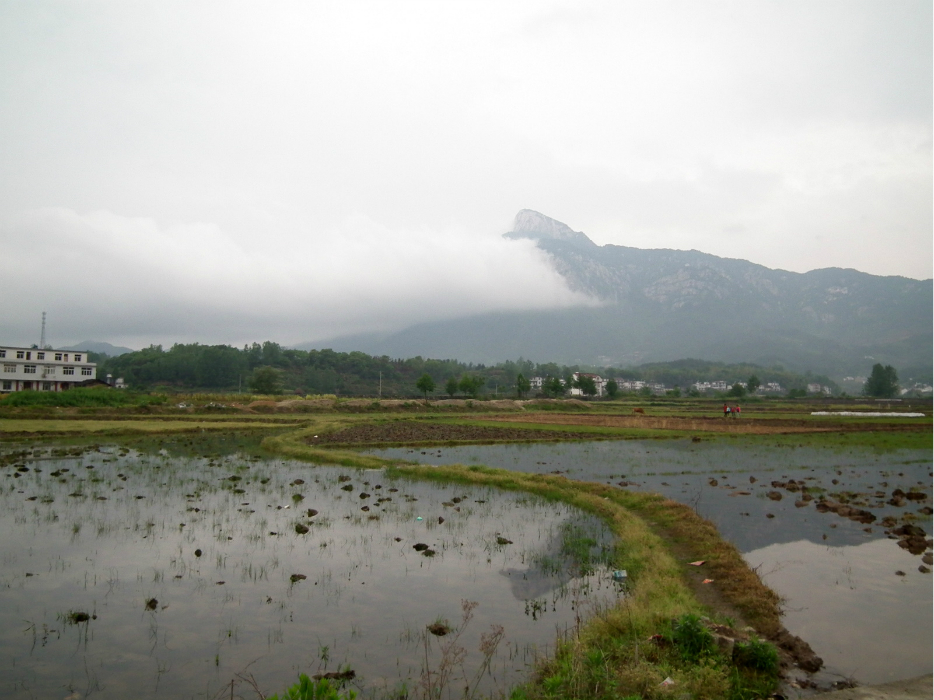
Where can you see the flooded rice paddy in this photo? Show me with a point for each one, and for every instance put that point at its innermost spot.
(155, 573)
(863, 602)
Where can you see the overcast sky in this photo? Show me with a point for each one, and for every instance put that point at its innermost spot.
(242, 171)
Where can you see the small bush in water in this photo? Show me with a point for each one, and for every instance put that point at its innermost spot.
(307, 689)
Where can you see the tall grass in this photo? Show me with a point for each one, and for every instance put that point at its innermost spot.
(82, 397)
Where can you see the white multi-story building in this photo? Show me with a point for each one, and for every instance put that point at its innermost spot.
(35, 369)
(598, 381)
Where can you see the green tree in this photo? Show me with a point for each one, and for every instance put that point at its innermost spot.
(469, 384)
(753, 384)
(522, 385)
(612, 389)
(882, 383)
(425, 384)
(586, 384)
(266, 380)
(737, 390)
(451, 386)
(554, 387)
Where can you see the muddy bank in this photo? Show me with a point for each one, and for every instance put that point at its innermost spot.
(758, 426)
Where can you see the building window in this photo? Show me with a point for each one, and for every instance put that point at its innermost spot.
(2, 353)
(58, 356)
(20, 354)
(86, 371)
(77, 358)
(40, 355)
(65, 357)
(9, 369)
(27, 385)
(68, 370)
(29, 369)
(48, 370)
(47, 386)
(7, 386)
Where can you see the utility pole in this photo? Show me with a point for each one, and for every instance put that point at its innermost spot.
(42, 335)
(380, 385)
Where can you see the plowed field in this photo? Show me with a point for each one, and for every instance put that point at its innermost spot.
(413, 432)
(758, 426)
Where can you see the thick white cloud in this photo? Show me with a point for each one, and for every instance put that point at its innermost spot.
(795, 134)
(133, 282)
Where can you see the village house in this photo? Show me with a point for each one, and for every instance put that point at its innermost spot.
(599, 383)
(37, 369)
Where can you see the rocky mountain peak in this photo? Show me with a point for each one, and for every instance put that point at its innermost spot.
(538, 227)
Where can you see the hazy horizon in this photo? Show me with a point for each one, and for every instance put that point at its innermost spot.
(230, 173)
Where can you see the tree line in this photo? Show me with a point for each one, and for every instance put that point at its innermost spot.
(271, 368)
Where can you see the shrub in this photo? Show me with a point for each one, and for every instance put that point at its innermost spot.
(756, 654)
(691, 637)
(307, 689)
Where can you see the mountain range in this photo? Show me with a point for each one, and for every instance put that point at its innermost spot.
(99, 347)
(657, 305)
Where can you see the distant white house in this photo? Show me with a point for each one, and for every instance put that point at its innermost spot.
(717, 385)
(36, 369)
(599, 383)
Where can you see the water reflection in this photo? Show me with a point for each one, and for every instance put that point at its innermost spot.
(867, 621)
(832, 605)
(196, 568)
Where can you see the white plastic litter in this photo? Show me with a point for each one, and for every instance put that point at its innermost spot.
(869, 414)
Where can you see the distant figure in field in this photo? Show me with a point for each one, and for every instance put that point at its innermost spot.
(736, 412)
(726, 410)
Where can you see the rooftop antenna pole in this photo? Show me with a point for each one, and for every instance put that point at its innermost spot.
(42, 336)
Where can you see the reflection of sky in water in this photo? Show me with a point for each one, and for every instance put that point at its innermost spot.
(682, 470)
(367, 597)
(864, 620)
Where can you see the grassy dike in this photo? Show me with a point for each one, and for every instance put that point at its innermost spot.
(655, 634)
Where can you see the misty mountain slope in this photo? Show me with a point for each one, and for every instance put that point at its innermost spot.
(669, 304)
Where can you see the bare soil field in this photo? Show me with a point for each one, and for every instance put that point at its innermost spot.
(758, 426)
(414, 432)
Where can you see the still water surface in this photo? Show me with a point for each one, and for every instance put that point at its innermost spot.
(838, 577)
(186, 565)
